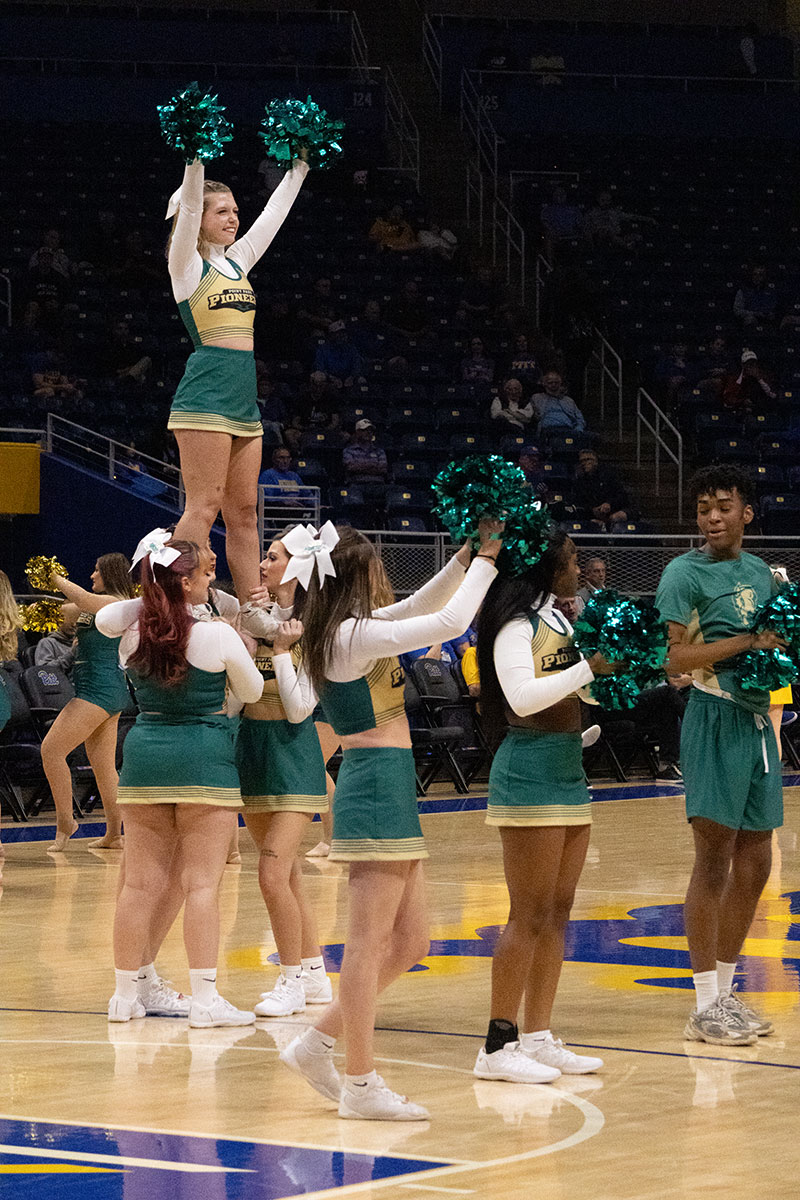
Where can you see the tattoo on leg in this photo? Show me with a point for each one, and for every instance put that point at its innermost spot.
(267, 853)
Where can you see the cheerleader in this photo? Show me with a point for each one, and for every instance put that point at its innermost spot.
(282, 774)
(530, 673)
(214, 413)
(179, 790)
(101, 693)
(350, 649)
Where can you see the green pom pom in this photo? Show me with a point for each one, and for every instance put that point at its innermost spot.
(622, 630)
(481, 486)
(768, 670)
(294, 125)
(193, 123)
(525, 538)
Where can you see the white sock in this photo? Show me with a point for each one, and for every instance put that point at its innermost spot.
(127, 984)
(314, 965)
(706, 989)
(725, 974)
(361, 1081)
(291, 973)
(204, 985)
(147, 975)
(529, 1041)
(318, 1043)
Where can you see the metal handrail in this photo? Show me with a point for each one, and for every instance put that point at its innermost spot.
(616, 76)
(476, 124)
(399, 120)
(358, 43)
(432, 55)
(601, 353)
(5, 302)
(655, 421)
(474, 198)
(296, 71)
(507, 231)
(61, 432)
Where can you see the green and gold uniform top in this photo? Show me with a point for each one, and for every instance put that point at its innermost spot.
(716, 599)
(536, 662)
(199, 694)
(97, 675)
(366, 703)
(219, 307)
(269, 706)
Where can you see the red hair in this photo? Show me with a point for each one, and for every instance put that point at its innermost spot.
(165, 620)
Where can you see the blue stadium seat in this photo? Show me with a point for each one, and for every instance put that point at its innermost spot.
(780, 514)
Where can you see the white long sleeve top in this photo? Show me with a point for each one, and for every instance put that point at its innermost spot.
(522, 652)
(185, 263)
(212, 646)
(440, 610)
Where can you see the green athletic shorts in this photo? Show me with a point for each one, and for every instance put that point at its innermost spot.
(731, 767)
(375, 814)
(218, 393)
(537, 778)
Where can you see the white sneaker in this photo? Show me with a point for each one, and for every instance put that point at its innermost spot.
(217, 1014)
(124, 1010)
(512, 1065)
(258, 622)
(315, 1066)
(286, 997)
(160, 1000)
(374, 1101)
(317, 986)
(553, 1053)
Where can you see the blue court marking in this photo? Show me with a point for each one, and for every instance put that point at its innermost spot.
(747, 1062)
(117, 1164)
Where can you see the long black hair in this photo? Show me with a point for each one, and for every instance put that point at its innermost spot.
(507, 598)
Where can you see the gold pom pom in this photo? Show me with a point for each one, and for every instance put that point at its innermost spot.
(40, 571)
(43, 616)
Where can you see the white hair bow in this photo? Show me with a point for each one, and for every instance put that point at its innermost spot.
(174, 203)
(307, 547)
(155, 544)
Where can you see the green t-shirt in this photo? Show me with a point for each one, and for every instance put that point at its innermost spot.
(717, 599)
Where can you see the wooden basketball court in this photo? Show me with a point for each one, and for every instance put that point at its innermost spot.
(153, 1109)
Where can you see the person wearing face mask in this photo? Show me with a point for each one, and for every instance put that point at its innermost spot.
(214, 414)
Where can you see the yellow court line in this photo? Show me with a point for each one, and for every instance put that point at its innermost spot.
(54, 1169)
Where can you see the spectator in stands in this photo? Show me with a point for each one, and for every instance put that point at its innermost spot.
(12, 639)
(122, 359)
(364, 461)
(556, 412)
(54, 254)
(561, 222)
(605, 224)
(570, 606)
(319, 395)
(747, 49)
(549, 65)
(408, 313)
(714, 365)
(446, 652)
(674, 370)
(756, 302)
(477, 367)
(371, 335)
(523, 363)
(46, 283)
(484, 295)
(282, 483)
(570, 313)
(393, 232)
(530, 461)
(438, 242)
(497, 56)
(58, 648)
(511, 409)
(271, 404)
(335, 433)
(318, 312)
(50, 383)
(338, 358)
(659, 712)
(598, 494)
(137, 267)
(594, 575)
(747, 388)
